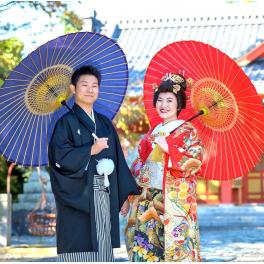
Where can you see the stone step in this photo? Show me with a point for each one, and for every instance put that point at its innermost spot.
(43, 253)
(28, 206)
(35, 187)
(34, 197)
(27, 253)
(35, 177)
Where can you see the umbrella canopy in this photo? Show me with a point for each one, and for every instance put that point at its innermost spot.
(231, 127)
(30, 99)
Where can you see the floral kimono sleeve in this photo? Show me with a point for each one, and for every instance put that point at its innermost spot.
(185, 150)
(144, 149)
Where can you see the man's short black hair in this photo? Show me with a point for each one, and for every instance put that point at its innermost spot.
(90, 70)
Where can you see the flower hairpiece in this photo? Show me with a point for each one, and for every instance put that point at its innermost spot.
(176, 88)
(190, 81)
(155, 87)
(177, 79)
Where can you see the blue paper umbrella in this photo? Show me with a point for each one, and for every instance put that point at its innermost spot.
(30, 99)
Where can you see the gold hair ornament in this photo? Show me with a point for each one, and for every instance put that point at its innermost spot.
(177, 79)
(190, 81)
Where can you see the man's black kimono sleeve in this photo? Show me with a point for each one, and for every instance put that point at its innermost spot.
(126, 182)
(67, 166)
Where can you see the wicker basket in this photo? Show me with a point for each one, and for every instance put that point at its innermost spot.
(42, 223)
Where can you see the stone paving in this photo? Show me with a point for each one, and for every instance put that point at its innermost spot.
(246, 244)
(232, 233)
(228, 234)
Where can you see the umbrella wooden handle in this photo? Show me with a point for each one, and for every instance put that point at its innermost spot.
(201, 112)
(65, 104)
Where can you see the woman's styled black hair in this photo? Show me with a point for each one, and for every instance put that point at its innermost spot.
(90, 70)
(168, 86)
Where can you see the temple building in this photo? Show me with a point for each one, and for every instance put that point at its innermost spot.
(240, 36)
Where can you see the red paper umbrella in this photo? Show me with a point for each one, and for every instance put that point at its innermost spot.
(231, 127)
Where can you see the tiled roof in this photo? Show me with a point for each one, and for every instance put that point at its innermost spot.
(234, 35)
(253, 64)
(252, 54)
(255, 71)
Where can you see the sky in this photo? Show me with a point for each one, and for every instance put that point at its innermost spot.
(135, 9)
(112, 11)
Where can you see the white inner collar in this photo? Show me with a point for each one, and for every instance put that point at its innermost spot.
(167, 128)
(91, 115)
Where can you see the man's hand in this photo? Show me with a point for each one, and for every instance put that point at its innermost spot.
(99, 145)
(125, 208)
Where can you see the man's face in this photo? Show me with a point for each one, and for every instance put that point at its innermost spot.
(86, 90)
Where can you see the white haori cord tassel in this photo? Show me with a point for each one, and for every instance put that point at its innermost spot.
(105, 167)
(95, 137)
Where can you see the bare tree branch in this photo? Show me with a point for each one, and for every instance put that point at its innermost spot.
(12, 27)
(6, 6)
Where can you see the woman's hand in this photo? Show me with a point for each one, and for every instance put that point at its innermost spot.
(125, 208)
(162, 142)
(99, 145)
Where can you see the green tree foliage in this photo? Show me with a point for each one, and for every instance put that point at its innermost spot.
(49, 7)
(53, 9)
(3, 174)
(18, 177)
(72, 23)
(131, 120)
(10, 55)
(11, 52)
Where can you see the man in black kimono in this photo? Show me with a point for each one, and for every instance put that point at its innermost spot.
(87, 209)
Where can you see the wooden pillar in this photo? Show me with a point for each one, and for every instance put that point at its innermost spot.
(6, 210)
(8, 179)
(226, 192)
(5, 219)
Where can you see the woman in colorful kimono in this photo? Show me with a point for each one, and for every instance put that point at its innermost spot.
(162, 225)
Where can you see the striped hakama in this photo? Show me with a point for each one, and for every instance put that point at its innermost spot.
(103, 228)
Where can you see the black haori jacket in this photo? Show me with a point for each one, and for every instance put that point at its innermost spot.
(72, 185)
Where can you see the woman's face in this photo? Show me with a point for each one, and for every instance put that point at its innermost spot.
(166, 106)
